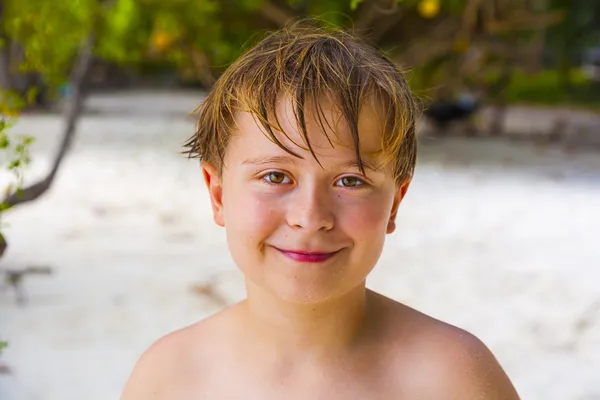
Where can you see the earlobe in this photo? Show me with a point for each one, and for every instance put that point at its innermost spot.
(215, 190)
(400, 193)
(391, 227)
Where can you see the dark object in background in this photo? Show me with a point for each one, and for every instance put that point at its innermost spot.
(25, 82)
(3, 245)
(591, 66)
(14, 279)
(443, 112)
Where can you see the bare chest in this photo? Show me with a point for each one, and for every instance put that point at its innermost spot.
(291, 385)
(326, 389)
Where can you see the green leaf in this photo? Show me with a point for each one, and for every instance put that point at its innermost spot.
(14, 164)
(354, 4)
(31, 95)
(4, 141)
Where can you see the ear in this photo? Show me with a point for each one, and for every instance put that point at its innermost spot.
(215, 190)
(400, 193)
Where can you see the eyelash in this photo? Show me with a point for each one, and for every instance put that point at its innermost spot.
(361, 182)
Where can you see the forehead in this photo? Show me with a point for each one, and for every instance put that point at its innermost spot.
(327, 130)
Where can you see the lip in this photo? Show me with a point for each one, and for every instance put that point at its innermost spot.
(307, 256)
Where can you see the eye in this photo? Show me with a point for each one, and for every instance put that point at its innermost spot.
(276, 178)
(350, 182)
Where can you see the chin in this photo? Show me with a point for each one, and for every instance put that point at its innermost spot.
(302, 282)
(292, 287)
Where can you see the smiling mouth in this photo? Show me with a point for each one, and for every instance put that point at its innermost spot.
(307, 257)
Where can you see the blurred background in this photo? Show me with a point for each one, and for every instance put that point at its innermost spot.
(106, 236)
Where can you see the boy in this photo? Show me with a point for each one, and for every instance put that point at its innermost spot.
(308, 147)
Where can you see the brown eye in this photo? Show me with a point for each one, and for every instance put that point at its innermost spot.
(276, 178)
(350, 181)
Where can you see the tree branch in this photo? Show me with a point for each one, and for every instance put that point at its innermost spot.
(439, 40)
(73, 112)
(370, 11)
(381, 28)
(275, 13)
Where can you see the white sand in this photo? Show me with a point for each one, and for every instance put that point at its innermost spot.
(498, 239)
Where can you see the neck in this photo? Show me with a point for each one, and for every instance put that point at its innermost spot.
(323, 328)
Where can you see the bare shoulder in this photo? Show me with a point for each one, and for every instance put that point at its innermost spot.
(463, 365)
(442, 361)
(174, 363)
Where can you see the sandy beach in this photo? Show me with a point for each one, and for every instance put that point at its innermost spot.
(500, 239)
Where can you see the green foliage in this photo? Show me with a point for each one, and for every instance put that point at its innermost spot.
(3, 344)
(50, 32)
(15, 148)
(354, 4)
(579, 29)
(194, 34)
(125, 32)
(545, 88)
(180, 33)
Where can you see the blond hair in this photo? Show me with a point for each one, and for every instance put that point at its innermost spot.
(305, 61)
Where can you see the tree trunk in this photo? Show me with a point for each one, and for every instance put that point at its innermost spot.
(5, 81)
(498, 119)
(565, 66)
(496, 91)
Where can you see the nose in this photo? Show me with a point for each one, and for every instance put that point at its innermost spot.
(311, 208)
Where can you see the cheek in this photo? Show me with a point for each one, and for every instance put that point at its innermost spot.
(249, 214)
(366, 217)
(366, 225)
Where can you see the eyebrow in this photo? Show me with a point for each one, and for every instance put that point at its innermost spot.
(293, 160)
(365, 163)
(270, 160)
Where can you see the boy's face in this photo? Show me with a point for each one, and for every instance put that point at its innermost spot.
(305, 232)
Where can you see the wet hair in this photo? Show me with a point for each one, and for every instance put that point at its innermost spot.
(306, 62)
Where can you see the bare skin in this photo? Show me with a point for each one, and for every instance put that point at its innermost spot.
(311, 330)
(395, 353)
